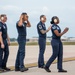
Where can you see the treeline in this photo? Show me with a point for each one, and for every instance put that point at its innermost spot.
(13, 39)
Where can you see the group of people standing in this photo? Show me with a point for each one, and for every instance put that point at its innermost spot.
(21, 25)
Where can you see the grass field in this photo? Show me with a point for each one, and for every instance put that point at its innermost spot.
(36, 43)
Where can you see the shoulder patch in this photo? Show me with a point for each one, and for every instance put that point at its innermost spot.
(40, 27)
(54, 27)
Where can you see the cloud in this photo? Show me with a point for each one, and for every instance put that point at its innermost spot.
(45, 9)
(11, 7)
(38, 12)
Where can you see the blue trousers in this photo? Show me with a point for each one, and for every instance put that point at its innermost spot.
(57, 53)
(21, 53)
(42, 46)
(4, 53)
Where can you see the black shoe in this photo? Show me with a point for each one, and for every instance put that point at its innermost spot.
(23, 69)
(1, 69)
(5, 68)
(47, 69)
(41, 67)
(62, 70)
(17, 69)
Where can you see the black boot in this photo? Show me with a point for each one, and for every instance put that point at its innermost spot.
(47, 69)
(17, 69)
(1, 69)
(62, 70)
(42, 67)
(23, 69)
(5, 68)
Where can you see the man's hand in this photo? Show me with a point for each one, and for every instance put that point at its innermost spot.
(28, 23)
(49, 28)
(2, 46)
(21, 17)
(20, 21)
(9, 43)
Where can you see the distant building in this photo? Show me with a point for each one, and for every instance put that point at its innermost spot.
(72, 39)
(64, 38)
(48, 39)
(35, 39)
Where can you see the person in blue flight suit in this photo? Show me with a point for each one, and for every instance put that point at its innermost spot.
(56, 45)
(21, 28)
(41, 28)
(4, 43)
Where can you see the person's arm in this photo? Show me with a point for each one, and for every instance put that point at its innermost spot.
(60, 34)
(28, 24)
(45, 31)
(20, 23)
(8, 39)
(1, 40)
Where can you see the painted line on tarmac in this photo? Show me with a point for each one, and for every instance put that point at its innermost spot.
(36, 64)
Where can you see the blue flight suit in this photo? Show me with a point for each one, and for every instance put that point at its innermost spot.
(22, 42)
(4, 53)
(57, 48)
(42, 43)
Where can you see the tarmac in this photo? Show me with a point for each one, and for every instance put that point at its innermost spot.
(69, 66)
(32, 58)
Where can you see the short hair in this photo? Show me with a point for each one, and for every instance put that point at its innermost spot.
(24, 13)
(42, 16)
(2, 15)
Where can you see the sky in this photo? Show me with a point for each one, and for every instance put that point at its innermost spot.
(64, 9)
